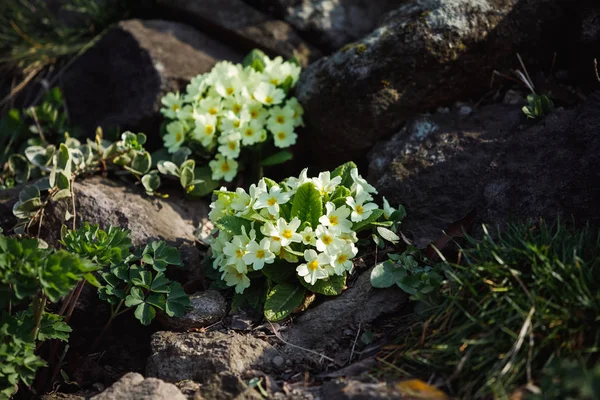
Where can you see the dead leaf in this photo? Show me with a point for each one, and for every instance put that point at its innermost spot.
(418, 389)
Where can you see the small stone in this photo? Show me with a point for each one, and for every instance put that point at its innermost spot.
(465, 110)
(206, 308)
(133, 386)
(278, 361)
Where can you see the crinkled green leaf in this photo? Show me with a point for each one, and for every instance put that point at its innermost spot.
(332, 286)
(281, 301)
(307, 204)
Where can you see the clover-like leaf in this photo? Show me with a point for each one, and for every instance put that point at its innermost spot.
(177, 301)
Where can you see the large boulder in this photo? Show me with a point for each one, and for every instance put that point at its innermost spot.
(120, 81)
(430, 53)
(241, 25)
(446, 166)
(331, 23)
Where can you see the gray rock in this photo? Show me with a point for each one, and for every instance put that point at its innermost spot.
(125, 74)
(322, 326)
(133, 386)
(278, 361)
(200, 356)
(332, 23)
(241, 25)
(494, 163)
(226, 386)
(190, 389)
(206, 308)
(427, 54)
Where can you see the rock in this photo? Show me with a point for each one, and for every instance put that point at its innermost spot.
(332, 23)
(190, 389)
(278, 361)
(207, 307)
(200, 356)
(323, 325)
(226, 386)
(241, 25)
(356, 390)
(427, 54)
(125, 74)
(495, 163)
(133, 386)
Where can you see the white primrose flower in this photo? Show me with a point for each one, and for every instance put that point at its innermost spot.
(326, 238)
(230, 144)
(223, 70)
(229, 122)
(252, 132)
(325, 184)
(206, 129)
(387, 209)
(254, 111)
(233, 277)
(295, 183)
(309, 237)
(280, 118)
(361, 210)
(336, 219)
(315, 266)
(175, 136)
(272, 199)
(223, 168)
(348, 237)
(219, 207)
(228, 86)
(273, 234)
(268, 94)
(360, 184)
(298, 111)
(235, 251)
(341, 257)
(217, 245)
(259, 254)
(242, 201)
(209, 105)
(172, 103)
(196, 88)
(284, 137)
(235, 103)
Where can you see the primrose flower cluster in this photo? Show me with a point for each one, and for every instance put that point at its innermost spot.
(308, 223)
(235, 106)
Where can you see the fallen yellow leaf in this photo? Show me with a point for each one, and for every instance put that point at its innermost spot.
(420, 390)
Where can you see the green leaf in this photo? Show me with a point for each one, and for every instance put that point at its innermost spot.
(386, 274)
(281, 301)
(203, 184)
(28, 192)
(307, 205)
(140, 277)
(52, 326)
(26, 209)
(366, 223)
(19, 166)
(255, 60)
(177, 301)
(279, 272)
(277, 158)
(157, 300)
(63, 161)
(141, 163)
(141, 139)
(332, 286)
(151, 182)
(388, 235)
(344, 171)
(145, 313)
(160, 284)
(187, 177)
(338, 197)
(62, 181)
(233, 224)
(61, 194)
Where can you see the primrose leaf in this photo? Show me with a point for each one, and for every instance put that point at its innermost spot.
(277, 158)
(281, 301)
(366, 223)
(344, 172)
(384, 274)
(233, 224)
(255, 60)
(332, 286)
(307, 205)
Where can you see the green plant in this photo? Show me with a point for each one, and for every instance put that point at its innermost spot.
(285, 241)
(526, 296)
(130, 279)
(31, 277)
(565, 379)
(234, 107)
(538, 106)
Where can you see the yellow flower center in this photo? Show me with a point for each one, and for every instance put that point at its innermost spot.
(249, 132)
(327, 240)
(268, 99)
(274, 81)
(232, 145)
(225, 167)
(275, 238)
(313, 265)
(236, 108)
(287, 234)
(307, 238)
(209, 129)
(175, 107)
(280, 119)
(342, 258)
(239, 276)
(281, 135)
(260, 254)
(254, 114)
(178, 136)
(334, 220)
(359, 209)
(213, 111)
(229, 91)
(272, 201)
(239, 253)
(236, 123)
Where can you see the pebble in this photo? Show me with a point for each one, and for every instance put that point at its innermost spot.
(278, 361)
